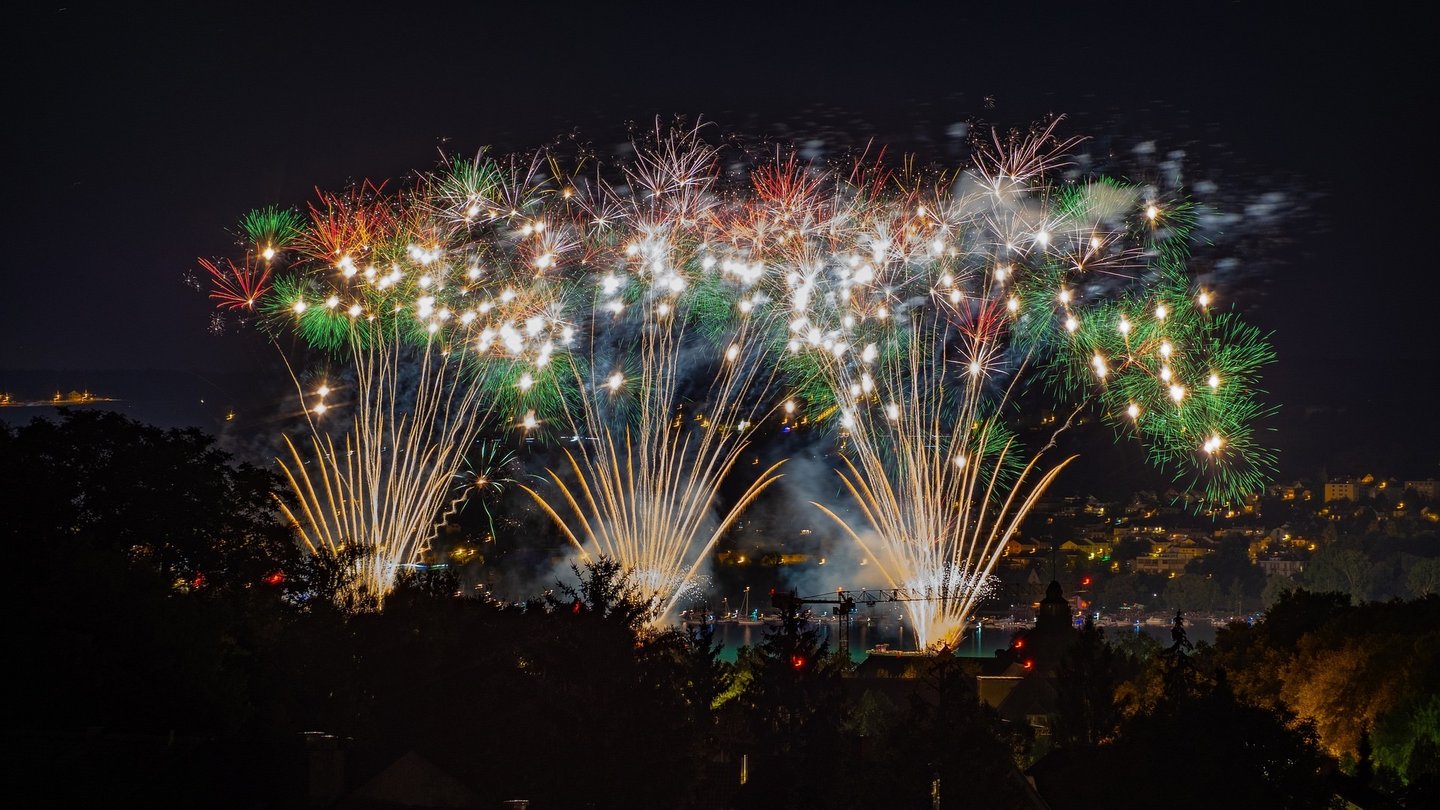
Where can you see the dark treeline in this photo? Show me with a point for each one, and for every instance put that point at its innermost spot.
(170, 646)
(1318, 686)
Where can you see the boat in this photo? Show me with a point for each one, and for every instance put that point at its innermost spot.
(696, 618)
(884, 650)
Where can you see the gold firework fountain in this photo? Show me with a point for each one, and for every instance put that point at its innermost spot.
(678, 376)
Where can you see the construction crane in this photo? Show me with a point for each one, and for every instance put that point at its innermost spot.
(845, 603)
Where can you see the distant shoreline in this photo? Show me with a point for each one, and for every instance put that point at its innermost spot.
(6, 401)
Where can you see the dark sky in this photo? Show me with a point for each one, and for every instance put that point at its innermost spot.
(135, 138)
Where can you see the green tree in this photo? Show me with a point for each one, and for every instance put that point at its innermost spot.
(1344, 570)
(1406, 744)
(1423, 577)
(794, 708)
(1085, 685)
(1192, 592)
(168, 499)
(1119, 590)
(1276, 586)
(1230, 566)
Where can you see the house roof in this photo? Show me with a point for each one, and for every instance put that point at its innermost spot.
(413, 781)
(1033, 695)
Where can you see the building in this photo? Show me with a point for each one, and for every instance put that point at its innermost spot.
(1085, 549)
(1275, 566)
(1165, 562)
(1169, 558)
(1344, 490)
(1120, 533)
(1296, 491)
(1426, 489)
(1019, 683)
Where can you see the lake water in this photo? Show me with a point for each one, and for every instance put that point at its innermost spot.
(887, 628)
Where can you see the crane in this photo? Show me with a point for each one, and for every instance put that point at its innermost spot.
(845, 603)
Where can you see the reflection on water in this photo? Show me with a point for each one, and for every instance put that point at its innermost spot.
(866, 632)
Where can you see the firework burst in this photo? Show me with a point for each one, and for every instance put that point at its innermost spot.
(651, 314)
(651, 445)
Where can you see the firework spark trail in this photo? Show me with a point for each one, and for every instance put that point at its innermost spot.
(414, 418)
(940, 483)
(645, 490)
(658, 308)
(429, 297)
(922, 310)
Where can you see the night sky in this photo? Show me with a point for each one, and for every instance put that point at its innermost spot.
(134, 141)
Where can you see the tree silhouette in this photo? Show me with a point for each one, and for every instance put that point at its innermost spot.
(1085, 685)
(794, 709)
(1179, 678)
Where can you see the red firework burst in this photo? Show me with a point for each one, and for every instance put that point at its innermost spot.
(349, 222)
(237, 286)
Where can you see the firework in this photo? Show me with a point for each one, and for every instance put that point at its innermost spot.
(675, 377)
(237, 286)
(382, 487)
(918, 306)
(432, 302)
(648, 315)
(941, 484)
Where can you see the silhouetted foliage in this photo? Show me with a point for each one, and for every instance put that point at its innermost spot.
(167, 499)
(1195, 746)
(944, 734)
(794, 708)
(1085, 684)
(1347, 668)
(165, 608)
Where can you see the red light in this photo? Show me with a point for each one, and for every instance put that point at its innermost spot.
(199, 581)
(797, 661)
(575, 607)
(1029, 664)
(1019, 643)
(1085, 582)
(275, 578)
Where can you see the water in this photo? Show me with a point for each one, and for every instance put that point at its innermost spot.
(887, 628)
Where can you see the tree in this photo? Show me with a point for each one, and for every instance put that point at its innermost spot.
(1406, 744)
(1276, 586)
(794, 709)
(1423, 577)
(943, 735)
(1197, 746)
(1192, 592)
(1344, 570)
(1231, 566)
(159, 567)
(569, 683)
(165, 498)
(1234, 753)
(1364, 758)
(1120, 590)
(1180, 671)
(1085, 683)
